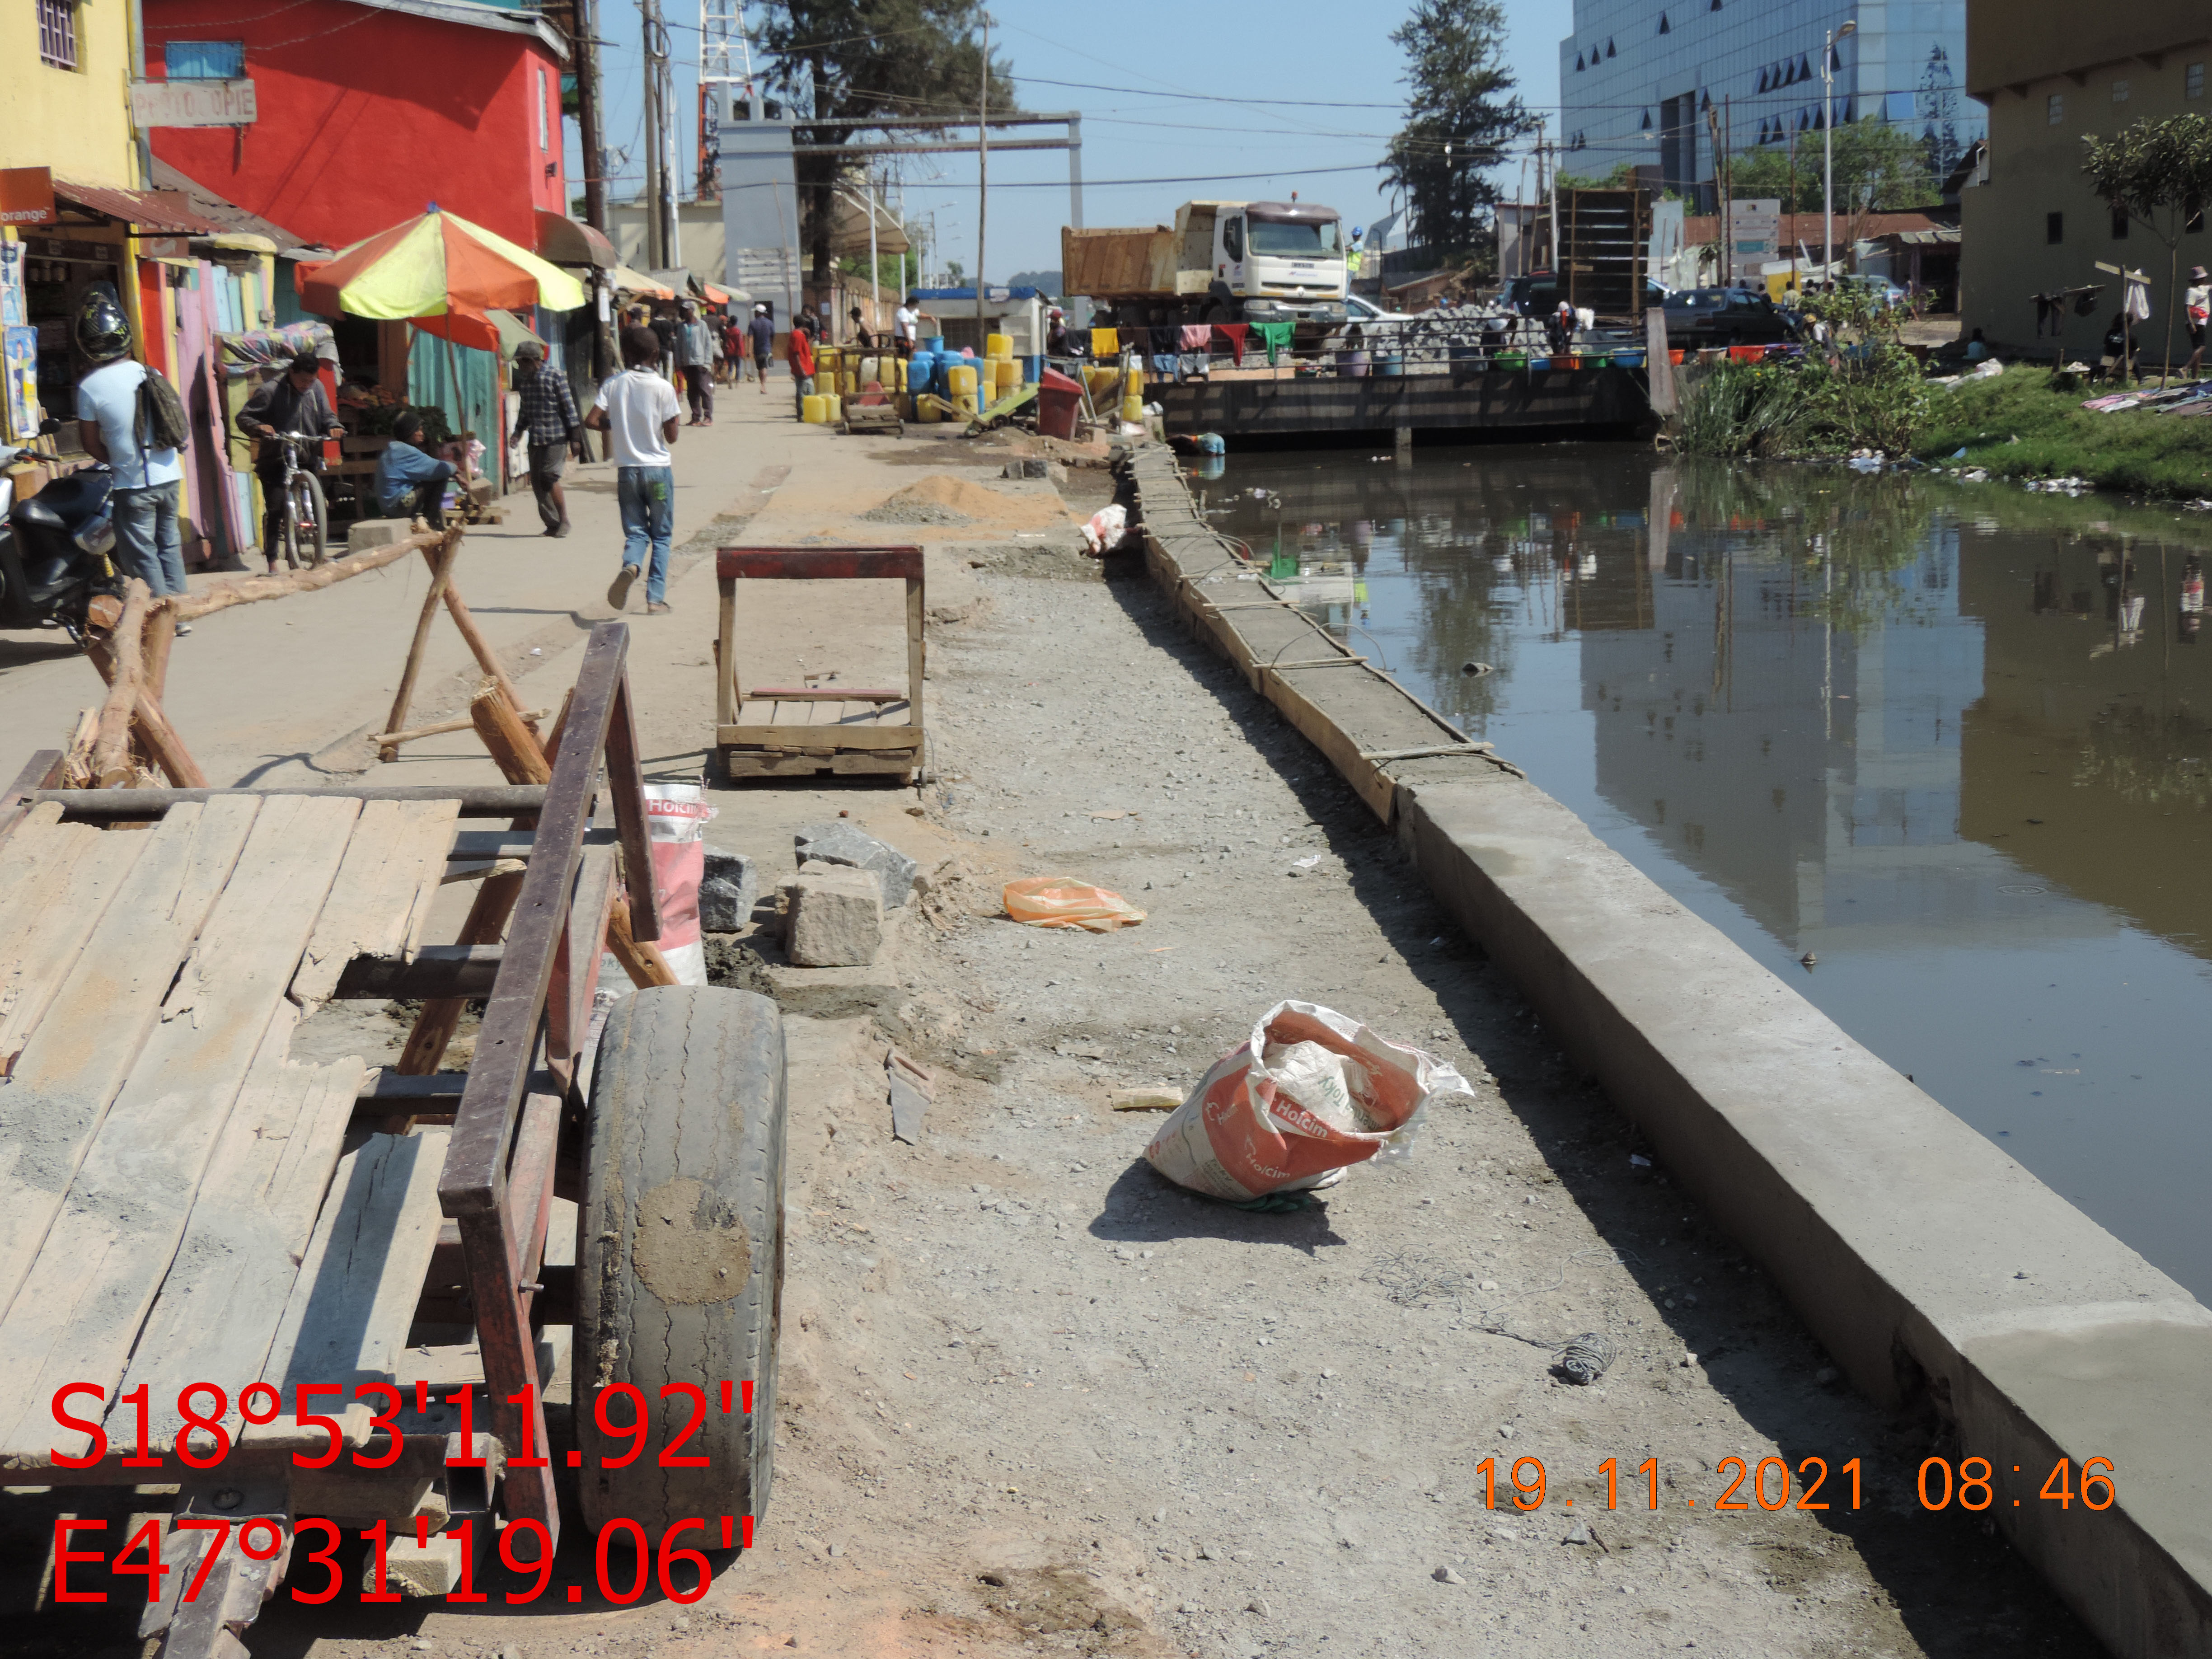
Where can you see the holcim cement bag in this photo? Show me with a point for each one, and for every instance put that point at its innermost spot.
(1311, 1092)
(676, 817)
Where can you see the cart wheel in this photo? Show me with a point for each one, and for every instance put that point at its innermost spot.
(679, 1274)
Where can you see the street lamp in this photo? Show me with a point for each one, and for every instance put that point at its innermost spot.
(1828, 150)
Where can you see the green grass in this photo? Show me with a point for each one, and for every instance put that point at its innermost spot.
(2144, 453)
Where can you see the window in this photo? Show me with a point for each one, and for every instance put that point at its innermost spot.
(1232, 239)
(2193, 80)
(1303, 241)
(2054, 109)
(544, 136)
(2119, 224)
(58, 34)
(2054, 228)
(205, 60)
(2119, 92)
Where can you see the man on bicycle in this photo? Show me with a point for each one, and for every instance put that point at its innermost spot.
(294, 405)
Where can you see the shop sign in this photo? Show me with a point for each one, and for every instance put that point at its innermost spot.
(26, 196)
(192, 103)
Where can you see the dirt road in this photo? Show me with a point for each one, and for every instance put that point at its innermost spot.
(1036, 1399)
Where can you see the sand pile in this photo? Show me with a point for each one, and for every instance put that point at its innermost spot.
(941, 499)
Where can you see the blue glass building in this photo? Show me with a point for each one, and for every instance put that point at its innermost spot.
(1637, 75)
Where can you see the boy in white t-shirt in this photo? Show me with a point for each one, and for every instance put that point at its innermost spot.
(638, 411)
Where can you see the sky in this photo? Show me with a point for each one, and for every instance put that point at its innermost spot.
(1299, 96)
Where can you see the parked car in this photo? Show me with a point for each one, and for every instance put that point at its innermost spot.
(1725, 316)
(1366, 311)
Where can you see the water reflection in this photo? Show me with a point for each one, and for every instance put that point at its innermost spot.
(1956, 741)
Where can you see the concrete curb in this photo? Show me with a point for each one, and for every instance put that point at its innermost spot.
(1940, 1274)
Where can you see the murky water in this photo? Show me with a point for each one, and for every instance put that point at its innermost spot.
(1954, 741)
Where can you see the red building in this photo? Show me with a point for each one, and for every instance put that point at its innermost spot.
(365, 113)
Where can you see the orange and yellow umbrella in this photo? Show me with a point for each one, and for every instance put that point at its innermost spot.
(442, 274)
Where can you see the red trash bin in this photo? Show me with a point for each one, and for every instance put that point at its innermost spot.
(1060, 400)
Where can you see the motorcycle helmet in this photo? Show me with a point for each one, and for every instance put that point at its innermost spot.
(103, 332)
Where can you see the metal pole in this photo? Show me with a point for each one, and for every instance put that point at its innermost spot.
(982, 175)
(1828, 160)
(1553, 201)
(875, 269)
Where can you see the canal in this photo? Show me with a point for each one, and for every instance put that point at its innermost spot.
(1939, 754)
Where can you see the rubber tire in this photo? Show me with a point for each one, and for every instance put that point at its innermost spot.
(689, 1087)
(308, 528)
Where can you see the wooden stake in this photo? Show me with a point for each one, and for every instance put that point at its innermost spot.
(441, 569)
(111, 754)
(643, 963)
(160, 635)
(76, 759)
(437, 728)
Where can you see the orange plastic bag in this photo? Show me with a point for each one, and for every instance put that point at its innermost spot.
(1063, 901)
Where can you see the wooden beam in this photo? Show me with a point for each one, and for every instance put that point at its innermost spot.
(441, 570)
(435, 971)
(111, 753)
(208, 600)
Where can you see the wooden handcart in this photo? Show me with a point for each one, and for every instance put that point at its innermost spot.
(781, 731)
(355, 1261)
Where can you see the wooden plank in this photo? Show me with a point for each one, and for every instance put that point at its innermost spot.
(758, 763)
(91, 1036)
(917, 658)
(41, 936)
(393, 864)
(476, 800)
(226, 1293)
(87, 1294)
(726, 651)
(804, 564)
(42, 770)
(583, 942)
(346, 1318)
(626, 786)
(820, 736)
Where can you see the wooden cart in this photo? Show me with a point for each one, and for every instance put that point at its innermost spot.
(357, 1260)
(778, 730)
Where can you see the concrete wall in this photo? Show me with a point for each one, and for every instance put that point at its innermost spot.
(2035, 170)
(1941, 1275)
(75, 121)
(2017, 42)
(760, 214)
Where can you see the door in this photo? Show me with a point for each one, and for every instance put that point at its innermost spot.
(1228, 265)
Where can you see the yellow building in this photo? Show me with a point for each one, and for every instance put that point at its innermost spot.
(67, 102)
(2053, 74)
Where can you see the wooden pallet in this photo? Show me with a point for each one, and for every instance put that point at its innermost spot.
(800, 731)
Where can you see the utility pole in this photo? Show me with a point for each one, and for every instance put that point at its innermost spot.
(1720, 191)
(649, 19)
(982, 178)
(1791, 208)
(585, 43)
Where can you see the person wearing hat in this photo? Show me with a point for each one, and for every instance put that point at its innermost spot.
(547, 417)
(148, 480)
(2197, 307)
(1058, 342)
(762, 331)
(294, 405)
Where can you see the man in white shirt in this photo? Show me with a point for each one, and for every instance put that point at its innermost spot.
(906, 324)
(148, 480)
(638, 411)
(2196, 312)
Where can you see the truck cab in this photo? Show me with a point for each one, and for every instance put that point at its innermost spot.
(1278, 262)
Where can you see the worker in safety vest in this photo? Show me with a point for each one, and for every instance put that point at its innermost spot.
(1355, 255)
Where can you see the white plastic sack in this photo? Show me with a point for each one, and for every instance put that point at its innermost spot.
(1106, 529)
(1311, 1092)
(676, 816)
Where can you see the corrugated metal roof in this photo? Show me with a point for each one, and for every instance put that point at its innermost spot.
(223, 216)
(150, 210)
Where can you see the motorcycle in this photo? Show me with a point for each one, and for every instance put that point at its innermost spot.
(54, 548)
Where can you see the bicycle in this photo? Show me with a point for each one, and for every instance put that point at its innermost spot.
(305, 517)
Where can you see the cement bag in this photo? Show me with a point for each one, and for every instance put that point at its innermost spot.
(1311, 1092)
(1062, 902)
(676, 817)
(1107, 526)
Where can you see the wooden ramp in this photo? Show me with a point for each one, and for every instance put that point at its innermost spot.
(173, 1207)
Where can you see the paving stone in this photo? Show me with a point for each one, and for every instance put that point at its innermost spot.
(727, 892)
(839, 843)
(837, 919)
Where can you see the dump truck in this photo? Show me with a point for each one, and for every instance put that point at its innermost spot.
(1222, 262)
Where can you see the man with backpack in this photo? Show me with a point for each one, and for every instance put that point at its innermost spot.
(124, 420)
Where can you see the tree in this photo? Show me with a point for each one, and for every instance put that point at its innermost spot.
(1877, 165)
(847, 60)
(1460, 115)
(2160, 174)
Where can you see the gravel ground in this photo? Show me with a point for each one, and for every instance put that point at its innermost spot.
(1037, 1400)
